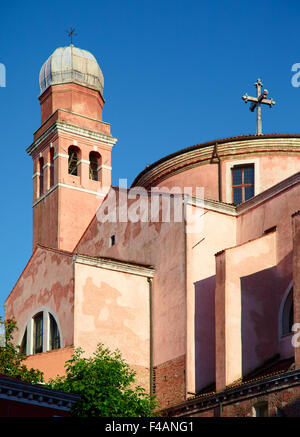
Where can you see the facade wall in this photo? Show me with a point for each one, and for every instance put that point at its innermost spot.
(246, 310)
(216, 231)
(161, 245)
(112, 307)
(71, 97)
(275, 212)
(269, 169)
(46, 282)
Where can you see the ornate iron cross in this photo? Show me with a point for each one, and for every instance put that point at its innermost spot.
(71, 33)
(257, 102)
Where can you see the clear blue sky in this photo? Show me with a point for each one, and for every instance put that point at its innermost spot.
(174, 71)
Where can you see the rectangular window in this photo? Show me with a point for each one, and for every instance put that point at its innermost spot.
(38, 333)
(261, 409)
(242, 183)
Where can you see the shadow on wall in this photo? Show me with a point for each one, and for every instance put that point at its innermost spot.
(259, 318)
(291, 409)
(205, 344)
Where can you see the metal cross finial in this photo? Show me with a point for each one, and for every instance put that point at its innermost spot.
(71, 33)
(257, 102)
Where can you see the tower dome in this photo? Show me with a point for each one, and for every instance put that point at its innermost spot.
(71, 64)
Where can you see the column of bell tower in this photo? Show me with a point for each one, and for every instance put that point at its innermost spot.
(71, 150)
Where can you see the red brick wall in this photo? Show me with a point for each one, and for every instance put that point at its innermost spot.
(169, 382)
(287, 400)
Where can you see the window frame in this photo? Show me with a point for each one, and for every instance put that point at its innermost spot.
(242, 185)
(38, 333)
(229, 164)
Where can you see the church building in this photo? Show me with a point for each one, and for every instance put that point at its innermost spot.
(193, 272)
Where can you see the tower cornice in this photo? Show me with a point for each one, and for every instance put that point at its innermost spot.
(63, 127)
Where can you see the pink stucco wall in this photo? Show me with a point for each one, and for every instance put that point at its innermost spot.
(218, 231)
(46, 282)
(161, 245)
(112, 307)
(246, 312)
(270, 168)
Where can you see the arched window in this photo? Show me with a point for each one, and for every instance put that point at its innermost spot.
(73, 154)
(42, 333)
(95, 159)
(51, 167)
(54, 340)
(288, 314)
(41, 176)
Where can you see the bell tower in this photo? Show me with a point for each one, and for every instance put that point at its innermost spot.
(71, 151)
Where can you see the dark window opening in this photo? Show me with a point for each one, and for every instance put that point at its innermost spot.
(73, 161)
(51, 167)
(38, 333)
(112, 240)
(54, 334)
(41, 176)
(94, 165)
(261, 409)
(242, 183)
(23, 345)
(288, 314)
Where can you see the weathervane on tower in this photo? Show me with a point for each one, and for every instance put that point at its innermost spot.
(71, 33)
(257, 102)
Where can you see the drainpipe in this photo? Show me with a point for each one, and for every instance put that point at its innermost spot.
(151, 335)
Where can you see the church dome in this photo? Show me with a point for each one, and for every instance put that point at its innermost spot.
(71, 64)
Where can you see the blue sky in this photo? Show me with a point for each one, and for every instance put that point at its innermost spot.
(174, 72)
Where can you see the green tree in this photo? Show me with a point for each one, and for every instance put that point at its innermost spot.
(11, 357)
(104, 382)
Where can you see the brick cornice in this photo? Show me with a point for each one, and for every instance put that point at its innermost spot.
(240, 392)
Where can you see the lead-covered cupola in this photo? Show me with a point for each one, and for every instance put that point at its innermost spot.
(71, 65)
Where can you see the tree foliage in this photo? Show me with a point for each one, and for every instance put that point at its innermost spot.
(11, 357)
(104, 382)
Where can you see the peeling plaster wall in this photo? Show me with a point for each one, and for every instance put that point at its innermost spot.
(112, 308)
(47, 281)
(161, 245)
